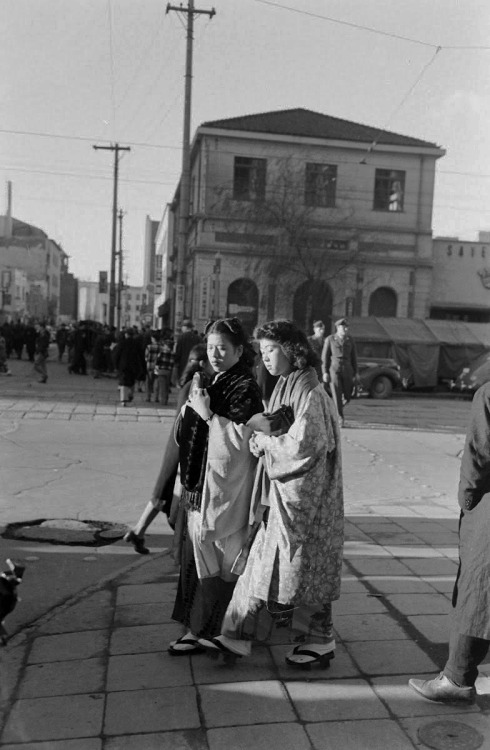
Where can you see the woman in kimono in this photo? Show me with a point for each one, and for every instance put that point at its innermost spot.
(216, 472)
(293, 570)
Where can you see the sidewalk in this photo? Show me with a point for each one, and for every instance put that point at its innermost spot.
(95, 674)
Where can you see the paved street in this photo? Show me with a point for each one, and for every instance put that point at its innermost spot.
(88, 667)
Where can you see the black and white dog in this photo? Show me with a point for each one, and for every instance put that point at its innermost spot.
(9, 580)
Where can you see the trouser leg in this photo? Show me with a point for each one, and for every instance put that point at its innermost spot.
(337, 395)
(465, 654)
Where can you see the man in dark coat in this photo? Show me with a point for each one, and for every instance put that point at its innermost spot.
(470, 628)
(339, 365)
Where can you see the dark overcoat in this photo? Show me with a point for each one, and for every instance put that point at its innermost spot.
(339, 360)
(471, 595)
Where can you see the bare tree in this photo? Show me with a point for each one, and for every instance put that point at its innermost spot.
(288, 231)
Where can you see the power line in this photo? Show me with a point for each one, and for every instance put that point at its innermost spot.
(83, 138)
(360, 27)
(84, 176)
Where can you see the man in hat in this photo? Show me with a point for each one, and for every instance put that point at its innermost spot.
(339, 365)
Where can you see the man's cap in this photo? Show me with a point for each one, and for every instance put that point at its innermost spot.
(341, 322)
(187, 322)
(317, 323)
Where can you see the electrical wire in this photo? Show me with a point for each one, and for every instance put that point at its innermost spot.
(360, 27)
(402, 102)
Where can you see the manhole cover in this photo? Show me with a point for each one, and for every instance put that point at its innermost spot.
(66, 531)
(450, 735)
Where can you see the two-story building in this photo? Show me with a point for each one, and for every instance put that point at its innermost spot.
(301, 215)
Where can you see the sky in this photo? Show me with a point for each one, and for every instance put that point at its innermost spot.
(81, 72)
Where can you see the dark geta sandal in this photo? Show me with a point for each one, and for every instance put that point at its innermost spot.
(214, 649)
(303, 657)
(190, 644)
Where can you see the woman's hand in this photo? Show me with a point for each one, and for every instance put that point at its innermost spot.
(199, 401)
(256, 444)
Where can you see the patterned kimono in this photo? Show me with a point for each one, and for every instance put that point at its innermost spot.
(217, 473)
(294, 567)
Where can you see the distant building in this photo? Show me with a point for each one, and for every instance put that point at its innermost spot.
(68, 311)
(28, 249)
(301, 215)
(133, 299)
(461, 279)
(151, 271)
(92, 304)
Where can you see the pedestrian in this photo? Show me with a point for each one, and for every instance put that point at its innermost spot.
(152, 350)
(163, 494)
(339, 366)
(293, 571)
(79, 348)
(30, 339)
(469, 640)
(42, 350)
(216, 474)
(163, 372)
(187, 339)
(316, 342)
(4, 368)
(129, 363)
(18, 335)
(61, 340)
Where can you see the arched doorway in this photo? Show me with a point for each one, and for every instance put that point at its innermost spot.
(243, 303)
(383, 303)
(312, 301)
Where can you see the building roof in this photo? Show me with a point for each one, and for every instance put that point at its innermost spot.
(309, 124)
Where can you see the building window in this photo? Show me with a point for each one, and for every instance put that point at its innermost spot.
(320, 183)
(389, 188)
(137, 297)
(249, 179)
(383, 303)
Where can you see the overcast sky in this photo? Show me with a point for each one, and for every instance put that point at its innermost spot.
(79, 72)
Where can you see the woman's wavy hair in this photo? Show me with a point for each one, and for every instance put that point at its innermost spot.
(233, 330)
(292, 340)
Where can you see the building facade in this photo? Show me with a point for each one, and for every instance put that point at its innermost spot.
(461, 279)
(27, 249)
(301, 215)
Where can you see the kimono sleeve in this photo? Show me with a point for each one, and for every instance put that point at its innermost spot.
(310, 437)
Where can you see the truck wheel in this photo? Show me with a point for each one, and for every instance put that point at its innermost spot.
(381, 387)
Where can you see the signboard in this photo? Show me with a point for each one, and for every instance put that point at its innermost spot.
(204, 295)
(179, 306)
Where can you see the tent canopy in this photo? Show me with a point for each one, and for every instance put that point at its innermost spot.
(426, 350)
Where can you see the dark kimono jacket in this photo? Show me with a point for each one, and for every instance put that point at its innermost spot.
(471, 595)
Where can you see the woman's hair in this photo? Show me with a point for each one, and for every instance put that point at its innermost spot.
(292, 340)
(232, 329)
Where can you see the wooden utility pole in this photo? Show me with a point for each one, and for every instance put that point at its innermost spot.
(112, 288)
(120, 269)
(185, 180)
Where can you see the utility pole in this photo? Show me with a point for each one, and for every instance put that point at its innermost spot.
(112, 288)
(120, 270)
(185, 181)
